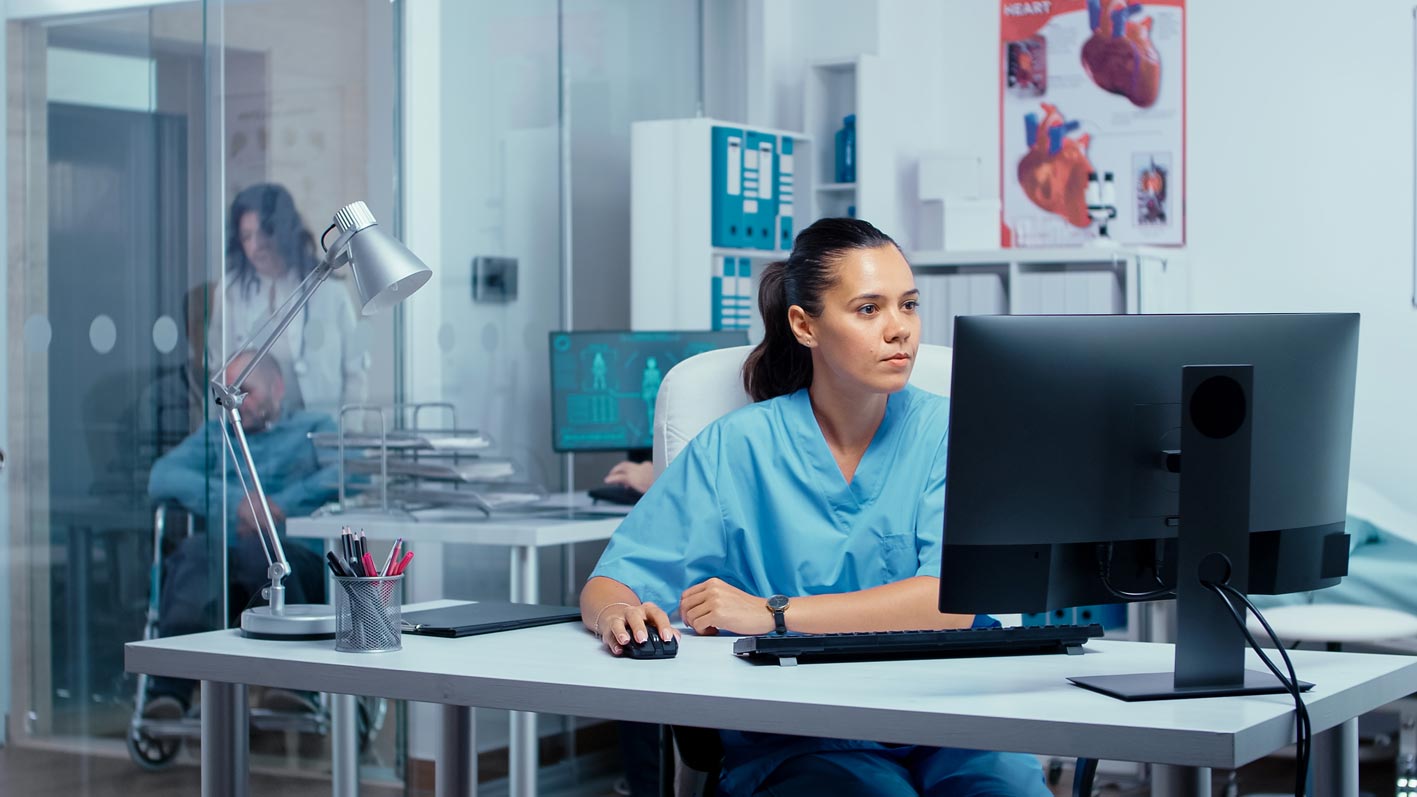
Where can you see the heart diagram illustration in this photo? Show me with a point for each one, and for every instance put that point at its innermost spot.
(1054, 172)
(1119, 57)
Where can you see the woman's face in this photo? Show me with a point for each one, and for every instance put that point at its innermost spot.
(259, 247)
(869, 331)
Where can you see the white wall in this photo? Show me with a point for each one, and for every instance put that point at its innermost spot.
(1300, 195)
(1300, 170)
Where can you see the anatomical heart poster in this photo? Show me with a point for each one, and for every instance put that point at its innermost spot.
(1093, 122)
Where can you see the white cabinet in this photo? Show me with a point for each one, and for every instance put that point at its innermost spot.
(834, 90)
(678, 276)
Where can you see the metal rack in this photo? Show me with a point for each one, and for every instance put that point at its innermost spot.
(424, 466)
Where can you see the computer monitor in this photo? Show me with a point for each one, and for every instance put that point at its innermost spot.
(603, 384)
(1096, 459)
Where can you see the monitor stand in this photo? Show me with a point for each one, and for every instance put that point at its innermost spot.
(1213, 544)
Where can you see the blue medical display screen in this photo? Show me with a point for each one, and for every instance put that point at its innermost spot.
(603, 384)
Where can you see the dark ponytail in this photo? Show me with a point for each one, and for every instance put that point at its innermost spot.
(780, 365)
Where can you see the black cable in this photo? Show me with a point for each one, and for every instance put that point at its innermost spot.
(1303, 730)
(325, 235)
(1104, 568)
(1289, 665)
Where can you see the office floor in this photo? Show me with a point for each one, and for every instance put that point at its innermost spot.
(43, 773)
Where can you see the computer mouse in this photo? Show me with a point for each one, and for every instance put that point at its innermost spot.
(652, 648)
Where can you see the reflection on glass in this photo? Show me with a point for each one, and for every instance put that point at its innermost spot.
(269, 253)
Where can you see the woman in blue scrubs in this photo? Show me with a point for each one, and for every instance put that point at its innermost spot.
(826, 495)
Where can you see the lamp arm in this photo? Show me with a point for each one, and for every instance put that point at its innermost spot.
(279, 566)
(283, 315)
(228, 396)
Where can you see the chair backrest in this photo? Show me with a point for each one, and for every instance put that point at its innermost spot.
(708, 386)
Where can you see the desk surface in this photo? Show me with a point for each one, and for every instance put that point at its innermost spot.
(1019, 703)
(557, 526)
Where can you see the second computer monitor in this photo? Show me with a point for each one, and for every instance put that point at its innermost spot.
(603, 384)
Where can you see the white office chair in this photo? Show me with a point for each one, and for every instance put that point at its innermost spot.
(708, 386)
(695, 393)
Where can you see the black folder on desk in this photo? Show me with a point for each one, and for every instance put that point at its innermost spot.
(485, 617)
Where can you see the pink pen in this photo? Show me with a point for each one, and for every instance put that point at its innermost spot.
(369, 565)
(403, 563)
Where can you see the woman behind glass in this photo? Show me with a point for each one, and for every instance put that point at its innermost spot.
(269, 252)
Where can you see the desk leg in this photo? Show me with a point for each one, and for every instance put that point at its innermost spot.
(80, 661)
(570, 596)
(225, 740)
(344, 745)
(1180, 781)
(1335, 761)
(455, 772)
(523, 747)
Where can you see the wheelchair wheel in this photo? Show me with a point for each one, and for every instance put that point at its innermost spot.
(150, 753)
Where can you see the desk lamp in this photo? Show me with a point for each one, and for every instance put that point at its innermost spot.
(385, 273)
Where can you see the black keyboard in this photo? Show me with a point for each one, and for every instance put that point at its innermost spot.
(616, 494)
(878, 645)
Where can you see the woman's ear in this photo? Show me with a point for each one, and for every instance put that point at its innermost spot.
(802, 326)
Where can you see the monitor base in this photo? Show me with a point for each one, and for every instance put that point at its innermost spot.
(1162, 686)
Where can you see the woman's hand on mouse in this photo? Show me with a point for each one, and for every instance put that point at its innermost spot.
(624, 622)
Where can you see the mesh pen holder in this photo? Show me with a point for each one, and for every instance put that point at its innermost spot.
(368, 614)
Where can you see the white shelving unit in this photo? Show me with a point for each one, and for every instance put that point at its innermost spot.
(672, 256)
(1020, 281)
(834, 89)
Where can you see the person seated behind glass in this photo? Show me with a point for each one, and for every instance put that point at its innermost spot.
(830, 491)
(296, 484)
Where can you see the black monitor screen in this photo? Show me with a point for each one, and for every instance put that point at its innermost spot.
(1058, 430)
(603, 384)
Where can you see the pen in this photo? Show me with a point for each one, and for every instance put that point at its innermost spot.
(403, 563)
(393, 557)
(368, 562)
(335, 566)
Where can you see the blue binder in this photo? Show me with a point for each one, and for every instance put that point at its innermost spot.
(727, 187)
(759, 194)
(785, 195)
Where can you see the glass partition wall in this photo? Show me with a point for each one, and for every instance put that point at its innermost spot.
(171, 170)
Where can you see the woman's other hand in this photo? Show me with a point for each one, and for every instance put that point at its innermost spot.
(637, 475)
(715, 605)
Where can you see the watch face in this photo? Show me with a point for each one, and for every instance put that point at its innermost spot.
(777, 602)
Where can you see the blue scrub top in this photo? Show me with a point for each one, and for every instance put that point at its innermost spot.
(757, 500)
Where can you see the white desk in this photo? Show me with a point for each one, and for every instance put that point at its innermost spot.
(1019, 704)
(525, 534)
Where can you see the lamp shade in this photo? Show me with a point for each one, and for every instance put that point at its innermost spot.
(385, 272)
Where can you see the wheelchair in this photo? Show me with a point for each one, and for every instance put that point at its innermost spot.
(154, 743)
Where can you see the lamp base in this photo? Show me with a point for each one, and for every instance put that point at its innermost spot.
(300, 621)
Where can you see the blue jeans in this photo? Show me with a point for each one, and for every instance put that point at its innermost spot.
(908, 771)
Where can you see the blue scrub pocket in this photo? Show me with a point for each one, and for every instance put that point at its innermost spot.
(897, 554)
